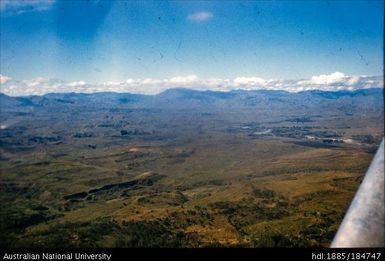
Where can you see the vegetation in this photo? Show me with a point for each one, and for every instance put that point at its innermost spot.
(245, 169)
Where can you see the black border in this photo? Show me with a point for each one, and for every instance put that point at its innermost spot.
(238, 254)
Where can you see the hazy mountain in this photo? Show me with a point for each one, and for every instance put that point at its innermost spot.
(187, 98)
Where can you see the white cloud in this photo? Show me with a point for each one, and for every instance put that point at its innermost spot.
(340, 81)
(200, 16)
(249, 81)
(183, 80)
(328, 78)
(335, 79)
(22, 6)
(76, 84)
(332, 82)
(4, 79)
(34, 82)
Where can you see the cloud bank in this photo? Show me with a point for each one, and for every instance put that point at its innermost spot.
(200, 16)
(331, 82)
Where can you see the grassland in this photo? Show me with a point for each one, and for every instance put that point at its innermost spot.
(197, 178)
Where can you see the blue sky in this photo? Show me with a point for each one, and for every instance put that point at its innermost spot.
(100, 41)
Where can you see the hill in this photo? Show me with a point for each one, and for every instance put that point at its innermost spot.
(183, 168)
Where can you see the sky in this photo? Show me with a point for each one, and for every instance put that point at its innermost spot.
(149, 46)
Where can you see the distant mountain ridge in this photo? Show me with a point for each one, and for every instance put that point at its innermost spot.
(187, 91)
(188, 99)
